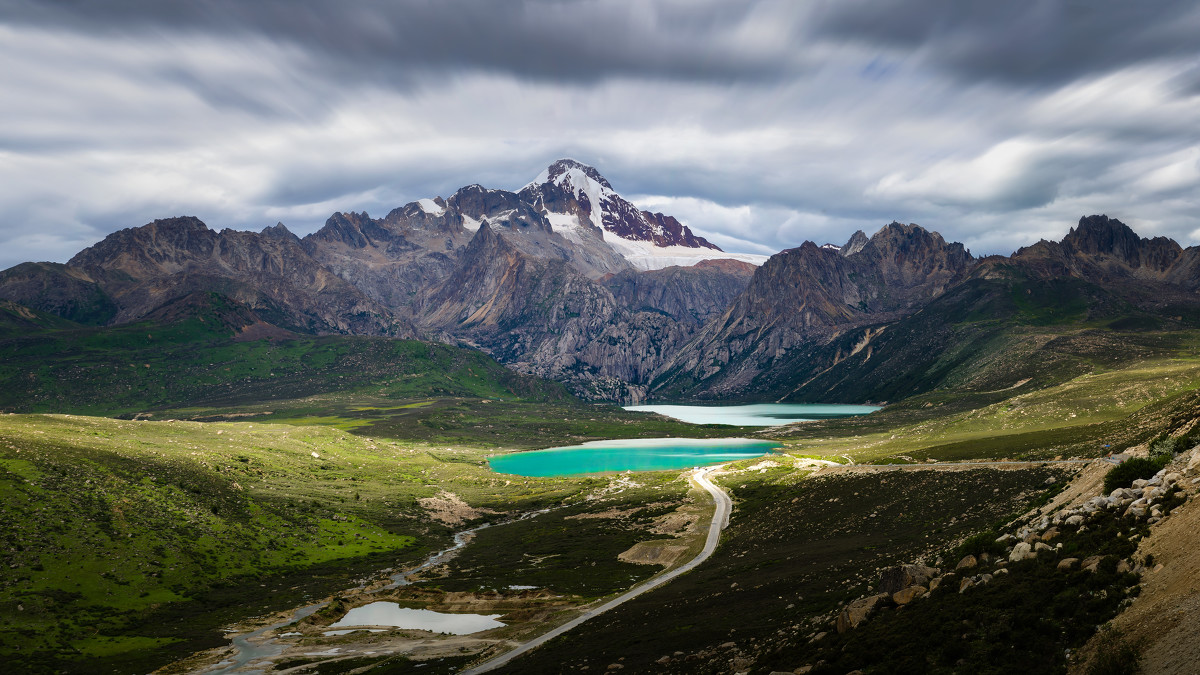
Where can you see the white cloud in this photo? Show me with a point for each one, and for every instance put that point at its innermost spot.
(112, 128)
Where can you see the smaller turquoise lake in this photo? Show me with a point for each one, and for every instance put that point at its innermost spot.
(755, 414)
(636, 454)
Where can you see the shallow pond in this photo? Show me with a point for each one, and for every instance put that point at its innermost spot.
(755, 414)
(638, 454)
(391, 614)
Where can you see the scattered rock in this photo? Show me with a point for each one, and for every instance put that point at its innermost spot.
(818, 637)
(803, 670)
(1021, 552)
(856, 612)
(898, 578)
(908, 595)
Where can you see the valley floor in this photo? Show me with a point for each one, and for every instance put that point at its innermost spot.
(132, 545)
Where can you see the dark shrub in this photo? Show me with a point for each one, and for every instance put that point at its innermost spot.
(1132, 469)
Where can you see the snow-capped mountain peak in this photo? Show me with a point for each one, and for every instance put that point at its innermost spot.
(571, 188)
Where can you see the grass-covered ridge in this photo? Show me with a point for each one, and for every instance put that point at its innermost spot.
(201, 353)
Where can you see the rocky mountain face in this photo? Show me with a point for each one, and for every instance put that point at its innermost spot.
(965, 327)
(532, 277)
(808, 296)
(692, 294)
(567, 280)
(142, 268)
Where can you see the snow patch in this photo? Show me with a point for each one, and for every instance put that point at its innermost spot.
(645, 255)
(431, 207)
(470, 223)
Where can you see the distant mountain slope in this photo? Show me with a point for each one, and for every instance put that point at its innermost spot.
(206, 347)
(804, 298)
(1048, 313)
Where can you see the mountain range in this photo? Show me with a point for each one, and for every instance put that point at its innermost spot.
(568, 280)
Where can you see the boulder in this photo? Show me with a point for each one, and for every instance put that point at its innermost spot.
(1123, 567)
(934, 583)
(908, 595)
(966, 583)
(1050, 534)
(1075, 520)
(967, 563)
(858, 611)
(1067, 564)
(1039, 547)
(1021, 552)
(900, 577)
(1091, 563)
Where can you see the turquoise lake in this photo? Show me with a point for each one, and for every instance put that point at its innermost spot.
(639, 454)
(756, 414)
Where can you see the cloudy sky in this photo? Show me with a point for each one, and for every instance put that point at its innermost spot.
(760, 124)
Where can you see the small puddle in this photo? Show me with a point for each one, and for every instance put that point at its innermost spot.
(392, 614)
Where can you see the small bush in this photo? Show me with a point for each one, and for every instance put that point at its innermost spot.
(1115, 655)
(1163, 446)
(984, 542)
(1132, 469)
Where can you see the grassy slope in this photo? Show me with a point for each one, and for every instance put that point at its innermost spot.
(122, 536)
(194, 359)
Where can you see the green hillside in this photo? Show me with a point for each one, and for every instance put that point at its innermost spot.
(201, 351)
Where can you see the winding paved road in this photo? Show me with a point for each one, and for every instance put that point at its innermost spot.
(724, 506)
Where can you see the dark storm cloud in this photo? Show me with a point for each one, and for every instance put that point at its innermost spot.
(761, 123)
(1041, 42)
(574, 41)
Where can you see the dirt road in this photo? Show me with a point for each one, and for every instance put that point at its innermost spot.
(724, 506)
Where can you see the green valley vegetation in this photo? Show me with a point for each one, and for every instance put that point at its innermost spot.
(284, 469)
(126, 542)
(205, 349)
